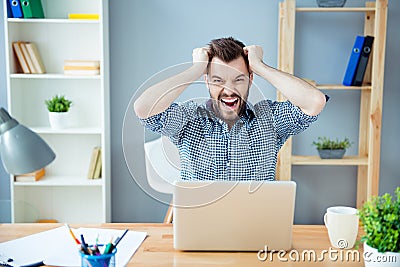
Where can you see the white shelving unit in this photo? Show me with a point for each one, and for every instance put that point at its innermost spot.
(64, 194)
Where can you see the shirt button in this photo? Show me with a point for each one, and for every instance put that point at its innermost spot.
(228, 164)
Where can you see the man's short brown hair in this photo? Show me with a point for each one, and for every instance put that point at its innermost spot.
(227, 49)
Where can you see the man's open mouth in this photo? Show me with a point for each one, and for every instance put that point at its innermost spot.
(230, 102)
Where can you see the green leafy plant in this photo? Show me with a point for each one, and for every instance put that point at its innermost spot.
(58, 104)
(326, 143)
(380, 217)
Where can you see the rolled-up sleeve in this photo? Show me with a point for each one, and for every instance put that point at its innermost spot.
(289, 119)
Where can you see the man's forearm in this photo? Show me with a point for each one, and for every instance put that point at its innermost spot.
(160, 96)
(302, 94)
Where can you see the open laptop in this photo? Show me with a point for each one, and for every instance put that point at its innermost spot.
(233, 216)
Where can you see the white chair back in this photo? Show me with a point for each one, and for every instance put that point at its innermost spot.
(162, 164)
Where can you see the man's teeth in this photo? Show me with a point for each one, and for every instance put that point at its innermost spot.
(229, 101)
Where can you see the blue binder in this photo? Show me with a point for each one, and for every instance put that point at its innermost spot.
(9, 12)
(16, 8)
(362, 64)
(353, 61)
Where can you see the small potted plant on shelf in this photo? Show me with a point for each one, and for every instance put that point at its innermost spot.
(331, 149)
(380, 219)
(58, 107)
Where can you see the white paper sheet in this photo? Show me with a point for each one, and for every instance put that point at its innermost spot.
(56, 247)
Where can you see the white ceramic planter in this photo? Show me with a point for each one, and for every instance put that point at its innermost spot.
(373, 258)
(59, 120)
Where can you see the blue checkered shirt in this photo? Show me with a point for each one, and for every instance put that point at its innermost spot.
(210, 151)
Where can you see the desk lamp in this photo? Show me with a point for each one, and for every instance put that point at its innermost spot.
(21, 150)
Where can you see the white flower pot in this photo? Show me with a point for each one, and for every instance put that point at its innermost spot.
(373, 258)
(59, 120)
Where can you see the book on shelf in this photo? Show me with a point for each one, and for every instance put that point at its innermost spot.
(82, 72)
(88, 16)
(28, 57)
(82, 63)
(23, 64)
(93, 162)
(30, 177)
(97, 169)
(32, 9)
(36, 58)
(46, 221)
(81, 67)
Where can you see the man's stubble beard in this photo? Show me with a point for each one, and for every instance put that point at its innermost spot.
(218, 111)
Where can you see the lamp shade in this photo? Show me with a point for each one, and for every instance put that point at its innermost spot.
(21, 150)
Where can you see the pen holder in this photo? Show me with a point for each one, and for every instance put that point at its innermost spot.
(103, 260)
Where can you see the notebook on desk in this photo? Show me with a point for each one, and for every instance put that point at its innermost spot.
(56, 247)
(233, 216)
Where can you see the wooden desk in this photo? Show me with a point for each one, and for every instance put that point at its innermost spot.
(157, 249)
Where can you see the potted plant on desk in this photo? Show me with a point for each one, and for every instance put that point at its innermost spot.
(380, 218)
(331, 149)
(58, 107)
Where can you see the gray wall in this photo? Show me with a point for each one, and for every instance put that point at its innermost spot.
(148, 36)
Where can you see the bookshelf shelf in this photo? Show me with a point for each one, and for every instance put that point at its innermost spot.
(54, 76)
(335, 9)
(316, 160)
(62, 181)
(342, 87)
(371, 93)
(55, 21)
(60, 193)
(80, 130)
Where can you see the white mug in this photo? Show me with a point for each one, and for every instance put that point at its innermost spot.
(342, 225)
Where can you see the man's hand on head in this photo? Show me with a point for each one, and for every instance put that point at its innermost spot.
(255, 56)
(200, 59)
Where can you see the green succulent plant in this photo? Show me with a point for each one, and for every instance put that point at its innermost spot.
(326, 143)
(380, 217)
(58, 104)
